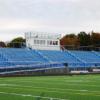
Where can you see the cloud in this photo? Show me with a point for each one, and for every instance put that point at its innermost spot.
(64, 16)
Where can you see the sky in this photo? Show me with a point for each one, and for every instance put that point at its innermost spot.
(58, 16)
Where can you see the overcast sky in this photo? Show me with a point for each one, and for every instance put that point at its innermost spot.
(60, 16)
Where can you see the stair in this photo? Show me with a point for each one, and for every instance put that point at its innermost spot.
(76, 57)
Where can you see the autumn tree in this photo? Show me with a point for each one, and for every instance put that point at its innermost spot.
(70, 39)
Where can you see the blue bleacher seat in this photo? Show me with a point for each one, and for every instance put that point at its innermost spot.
(11, 57)
(89, 57)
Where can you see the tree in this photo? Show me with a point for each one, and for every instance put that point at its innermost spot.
(84, 39)
(2, 44)
(17, 42)
(18, 39)
(70, 39)
(95, 37)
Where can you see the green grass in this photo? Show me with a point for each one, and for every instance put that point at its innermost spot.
(86, 87)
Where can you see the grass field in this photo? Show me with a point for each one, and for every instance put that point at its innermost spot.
(86, 87)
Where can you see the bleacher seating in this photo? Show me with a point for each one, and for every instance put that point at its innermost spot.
(23, 59)
(89, 57)
(21, 55)
(61, 56)
(31, 59)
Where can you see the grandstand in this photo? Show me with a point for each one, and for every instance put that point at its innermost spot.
(20, 60)
(13, 60)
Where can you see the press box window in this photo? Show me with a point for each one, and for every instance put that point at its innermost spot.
(39, 42)
(52, 42)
